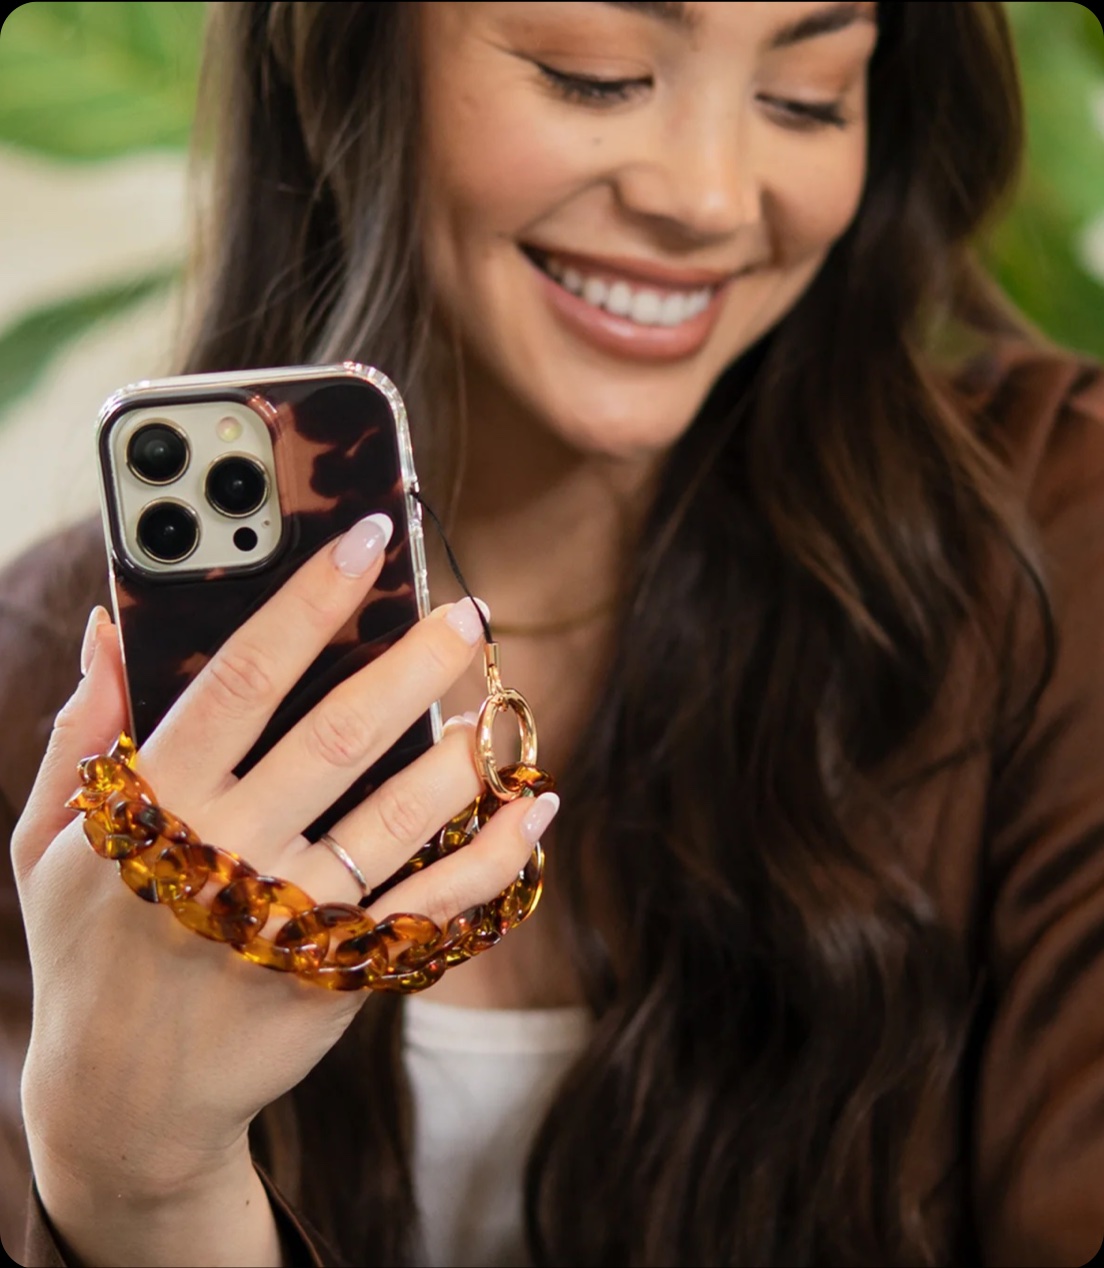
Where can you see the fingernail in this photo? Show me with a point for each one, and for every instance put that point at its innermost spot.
(464, 619)
(459, 719)
(472, 716)
(362, 545)
(96, 618)
(539, 816)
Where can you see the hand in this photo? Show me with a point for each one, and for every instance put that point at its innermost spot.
(152, 1048)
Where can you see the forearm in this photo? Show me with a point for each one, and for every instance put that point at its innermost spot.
(225, 1219)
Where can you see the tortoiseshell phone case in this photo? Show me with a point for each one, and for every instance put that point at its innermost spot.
(341, 450)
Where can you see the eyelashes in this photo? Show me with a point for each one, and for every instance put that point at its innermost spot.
(814, 113)
(592, 91)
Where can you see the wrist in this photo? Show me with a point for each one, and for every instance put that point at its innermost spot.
(80, 1143)
(76, 1159)
(220, 1214)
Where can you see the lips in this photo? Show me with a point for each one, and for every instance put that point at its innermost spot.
(636, 271)
(646, 305)
(635, 308)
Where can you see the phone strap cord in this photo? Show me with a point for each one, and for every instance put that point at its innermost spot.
(453, 564)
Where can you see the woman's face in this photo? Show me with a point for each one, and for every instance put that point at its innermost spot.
(623, 197)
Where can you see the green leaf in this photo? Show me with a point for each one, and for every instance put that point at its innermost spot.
(1062, 70)
(1041, 272)
(94, 80)
(1035, 19)
(1034, 251)
(30, 344)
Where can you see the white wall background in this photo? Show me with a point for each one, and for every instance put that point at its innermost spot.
(65, 229)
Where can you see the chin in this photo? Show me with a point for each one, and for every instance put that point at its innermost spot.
(620, 413)
(622, 427)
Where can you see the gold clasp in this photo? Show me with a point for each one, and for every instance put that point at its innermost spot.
(491, 670)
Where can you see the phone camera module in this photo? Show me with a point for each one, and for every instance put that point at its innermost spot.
(237, 486)
(157, 453)
(168, 532)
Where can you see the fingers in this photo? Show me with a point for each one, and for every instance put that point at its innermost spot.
(217, 720)
(391, 825)
(89, 723)
(353, 726)
(479, 871)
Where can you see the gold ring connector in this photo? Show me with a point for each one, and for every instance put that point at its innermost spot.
(484, 738)
(498, 699)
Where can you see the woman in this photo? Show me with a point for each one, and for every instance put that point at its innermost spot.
(796, 535)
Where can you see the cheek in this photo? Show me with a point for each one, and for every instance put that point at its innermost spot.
(495, 162)
(813, 201)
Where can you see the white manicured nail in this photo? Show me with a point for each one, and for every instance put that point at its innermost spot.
(464, 619)
(362, 545)
(539, 816)
(97, 617)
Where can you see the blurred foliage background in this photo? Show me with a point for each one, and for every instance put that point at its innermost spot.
(82, 83)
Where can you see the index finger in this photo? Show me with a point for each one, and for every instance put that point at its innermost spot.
(220, 716)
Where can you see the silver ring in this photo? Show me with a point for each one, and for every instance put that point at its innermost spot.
(343, 857)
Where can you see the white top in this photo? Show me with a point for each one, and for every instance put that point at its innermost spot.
(481, 1080)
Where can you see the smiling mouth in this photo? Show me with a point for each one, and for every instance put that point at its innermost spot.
(642, 303)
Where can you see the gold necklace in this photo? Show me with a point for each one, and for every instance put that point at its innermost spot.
(555, 627)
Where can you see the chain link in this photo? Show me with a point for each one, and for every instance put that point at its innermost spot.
(334, 945)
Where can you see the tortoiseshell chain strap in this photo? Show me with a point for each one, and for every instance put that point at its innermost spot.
(335, 945)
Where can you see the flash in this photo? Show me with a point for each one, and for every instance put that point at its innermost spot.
(228, 430)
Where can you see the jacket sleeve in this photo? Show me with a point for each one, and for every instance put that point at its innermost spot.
(1038, 1159)
(45, 597)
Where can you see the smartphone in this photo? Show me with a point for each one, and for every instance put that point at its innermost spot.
(215, 488)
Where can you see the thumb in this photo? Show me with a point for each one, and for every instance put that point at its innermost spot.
(89, 723)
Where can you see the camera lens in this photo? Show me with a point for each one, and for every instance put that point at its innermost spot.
(168, 532)
(157, 453)
(236, 486)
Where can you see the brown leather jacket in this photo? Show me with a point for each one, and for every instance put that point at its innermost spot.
(1013, 854)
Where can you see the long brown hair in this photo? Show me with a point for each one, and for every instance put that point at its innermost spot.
(781, 1015)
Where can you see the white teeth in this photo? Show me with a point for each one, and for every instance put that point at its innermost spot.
(595, 291)
(619, 300)
(573, 282)
(698, 302)
(674, 310)
(644, 306)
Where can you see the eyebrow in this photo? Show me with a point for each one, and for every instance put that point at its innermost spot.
(825, 21)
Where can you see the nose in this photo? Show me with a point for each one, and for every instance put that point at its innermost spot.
(696, 180)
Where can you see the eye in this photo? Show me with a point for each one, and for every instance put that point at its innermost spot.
(589, 89)
(807, 116)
